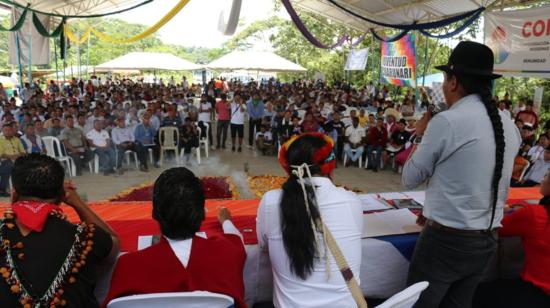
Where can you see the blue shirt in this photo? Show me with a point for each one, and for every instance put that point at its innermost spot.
(255, 111)
(145, 134)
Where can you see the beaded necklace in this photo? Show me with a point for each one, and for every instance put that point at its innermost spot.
(76, 258)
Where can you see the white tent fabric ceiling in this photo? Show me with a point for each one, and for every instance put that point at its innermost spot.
(397, 11)
(79, 7)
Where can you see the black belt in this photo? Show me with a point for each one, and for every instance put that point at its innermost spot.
(438, 226)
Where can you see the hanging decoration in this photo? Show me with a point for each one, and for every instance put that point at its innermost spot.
(107, 38)
(413, 26)
(13, 3)
(456, 31)
(470, 17)
(19, 24)
(40, 28)
(305, 32)
(397, 37)
(310, 37)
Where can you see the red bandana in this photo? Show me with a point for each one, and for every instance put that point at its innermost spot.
(33, 214)
(324, 157)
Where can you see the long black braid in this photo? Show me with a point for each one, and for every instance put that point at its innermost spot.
(483, 87)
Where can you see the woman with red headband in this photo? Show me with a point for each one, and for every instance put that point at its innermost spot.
(311, 230)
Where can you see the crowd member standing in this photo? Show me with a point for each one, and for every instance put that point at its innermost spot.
(223, 109)
(238, 111)
(464, 197)
(255, 107)
(205, 118)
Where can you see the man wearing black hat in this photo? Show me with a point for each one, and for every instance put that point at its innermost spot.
(466, 155)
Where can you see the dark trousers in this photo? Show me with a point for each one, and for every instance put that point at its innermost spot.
(221, 132)
(107, 158)
(5, 172)
(203, 132)
(143, 152)
(81, 159)
(374, 163)
(122, 148)
(253, 123)
(510, 293)
(527, 183)
(452, 263)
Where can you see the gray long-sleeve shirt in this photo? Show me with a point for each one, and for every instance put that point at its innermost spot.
(457, 157)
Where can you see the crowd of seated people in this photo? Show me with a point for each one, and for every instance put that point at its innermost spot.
(108, 118)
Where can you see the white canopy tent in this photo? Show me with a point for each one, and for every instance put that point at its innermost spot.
(148, 61)
(254, 61)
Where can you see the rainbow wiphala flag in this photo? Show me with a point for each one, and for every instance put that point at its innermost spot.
(398, 63)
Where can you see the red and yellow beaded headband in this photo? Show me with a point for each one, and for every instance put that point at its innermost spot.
(324, 157)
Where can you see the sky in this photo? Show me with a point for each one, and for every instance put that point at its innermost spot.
(197, 23)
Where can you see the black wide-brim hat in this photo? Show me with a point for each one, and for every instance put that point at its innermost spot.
(472, 59)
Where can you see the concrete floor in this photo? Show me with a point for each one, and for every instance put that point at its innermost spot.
(97, 187)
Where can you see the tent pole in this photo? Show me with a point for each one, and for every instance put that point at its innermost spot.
(88, 59)
(78, 62)
(18, 45)
(55, 55)
(30, 54)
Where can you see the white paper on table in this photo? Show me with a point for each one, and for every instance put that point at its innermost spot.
(418, 196)
(392, 195)
(369, 202)
(392, 222)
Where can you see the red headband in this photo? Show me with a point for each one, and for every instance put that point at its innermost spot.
(323, 157)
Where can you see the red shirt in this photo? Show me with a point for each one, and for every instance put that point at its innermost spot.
(528, 117)
(532, 224)
(215, 265)
(377, 137)
(223, 111)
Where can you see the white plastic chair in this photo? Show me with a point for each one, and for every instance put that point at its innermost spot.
(360, 158)
(128, 154)
(204, 141)
(169, 138)
(53, 149)
(94, 164)
(406, 298)
(197, 299)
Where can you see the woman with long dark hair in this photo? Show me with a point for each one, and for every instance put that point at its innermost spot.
(296, 223)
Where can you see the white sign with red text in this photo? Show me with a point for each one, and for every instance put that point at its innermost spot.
(520, 41)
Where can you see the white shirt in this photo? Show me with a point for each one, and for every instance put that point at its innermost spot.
(457, 155)
(237, 116)
(182, 248)
(539, 169)
(341, 211)
(205, 115)
(266, 134)
(535, 152)
(98, 138)
(355, 135)
(121, 135)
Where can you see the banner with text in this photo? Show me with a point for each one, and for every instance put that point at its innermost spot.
(520, 41)
(398, 64)
(357, 60)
